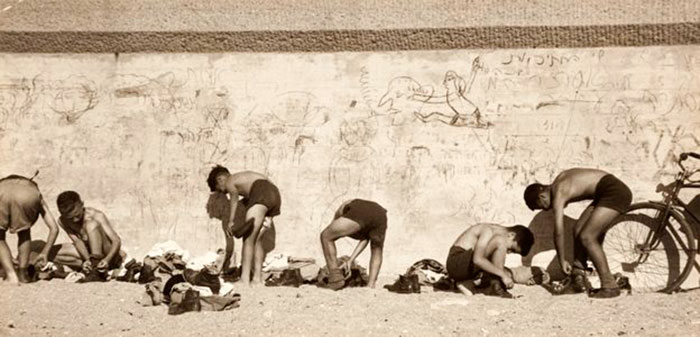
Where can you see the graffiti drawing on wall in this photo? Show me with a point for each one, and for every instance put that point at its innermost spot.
(158, 92)
(16, 98)
(72, 97)
(449, 105)
(355, 166)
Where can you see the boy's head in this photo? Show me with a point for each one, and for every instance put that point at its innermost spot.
(520, 240)
(217, 178)
(538, 196)
(70, 206)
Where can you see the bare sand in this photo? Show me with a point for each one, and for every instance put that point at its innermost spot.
(58, 308)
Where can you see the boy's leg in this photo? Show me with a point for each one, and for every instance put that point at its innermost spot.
(338, 228)
(6, 260)
(590, 237)
(257, 213)
(64, 254)
(24, 248)
(262, 247)
(580, 252)
(229, 248)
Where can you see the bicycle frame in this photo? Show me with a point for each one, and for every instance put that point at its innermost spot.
(673, 201)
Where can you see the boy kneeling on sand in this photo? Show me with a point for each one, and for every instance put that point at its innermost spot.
(483, 248)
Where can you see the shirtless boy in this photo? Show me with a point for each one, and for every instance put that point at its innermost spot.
(483, 247)
(21, 204)
(609, 196)
(96, 245)
(262, 200)
(361, 220)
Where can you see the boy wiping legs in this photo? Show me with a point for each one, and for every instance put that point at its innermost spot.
(21, 204)
(483, 248)
(263, 202)
(361, 220)
(610, 198)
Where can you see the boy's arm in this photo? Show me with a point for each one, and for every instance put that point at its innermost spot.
(375, 262)
(559, 243)
(53, 230)
(113, 238)
(233, 195)
(358, 249)
(79, 245)
(94, 239)
(481, 259)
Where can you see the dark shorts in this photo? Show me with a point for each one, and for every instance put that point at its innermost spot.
(612, 193)
(372, 220)
(20, 204)
(459, 264)
(265, 193)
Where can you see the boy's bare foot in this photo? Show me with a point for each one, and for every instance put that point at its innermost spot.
(12, 279)
(23, 276)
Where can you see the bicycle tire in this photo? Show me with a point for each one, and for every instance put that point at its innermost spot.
(668, 265)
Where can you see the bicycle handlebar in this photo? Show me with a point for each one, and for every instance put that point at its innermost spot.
(685, 155)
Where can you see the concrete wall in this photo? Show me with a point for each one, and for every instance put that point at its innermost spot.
(136, 134)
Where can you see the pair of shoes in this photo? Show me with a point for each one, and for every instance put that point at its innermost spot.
(132, 268)
(289, 278)
(190, 302)
(574, 284)
(444, 284)
(498, 289)
(580, 283)
(405, 285)
(604, 293)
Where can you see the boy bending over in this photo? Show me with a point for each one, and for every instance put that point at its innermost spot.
(483, 248)
(263, 202)
(361, 220)
(609, 196)
(21, 204)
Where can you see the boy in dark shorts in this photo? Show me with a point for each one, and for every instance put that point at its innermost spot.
(483, 248)
(361, 220)
(609, 196)
(262, 200)
(21, 204)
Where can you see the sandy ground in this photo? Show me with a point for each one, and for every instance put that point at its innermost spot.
(58, 308)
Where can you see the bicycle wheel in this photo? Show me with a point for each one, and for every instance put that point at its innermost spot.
(650, 269)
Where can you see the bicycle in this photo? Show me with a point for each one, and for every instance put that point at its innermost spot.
(653, 242)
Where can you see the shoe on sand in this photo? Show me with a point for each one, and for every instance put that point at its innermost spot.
(498, 289)
(604, 293)
(336, 279)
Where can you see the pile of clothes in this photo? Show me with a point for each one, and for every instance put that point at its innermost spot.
(283, 270)
(429, 272)
(169, 279)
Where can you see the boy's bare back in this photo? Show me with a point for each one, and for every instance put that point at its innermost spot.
(468, 239)
(576, 184)
(243, 181)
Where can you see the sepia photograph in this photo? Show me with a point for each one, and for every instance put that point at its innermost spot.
(349, 168)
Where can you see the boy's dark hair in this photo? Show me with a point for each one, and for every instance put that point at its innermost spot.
(524, 238)
(66, 200)
(215, 172)
(532, 196)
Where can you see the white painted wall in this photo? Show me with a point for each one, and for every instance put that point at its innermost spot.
(136, 136)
